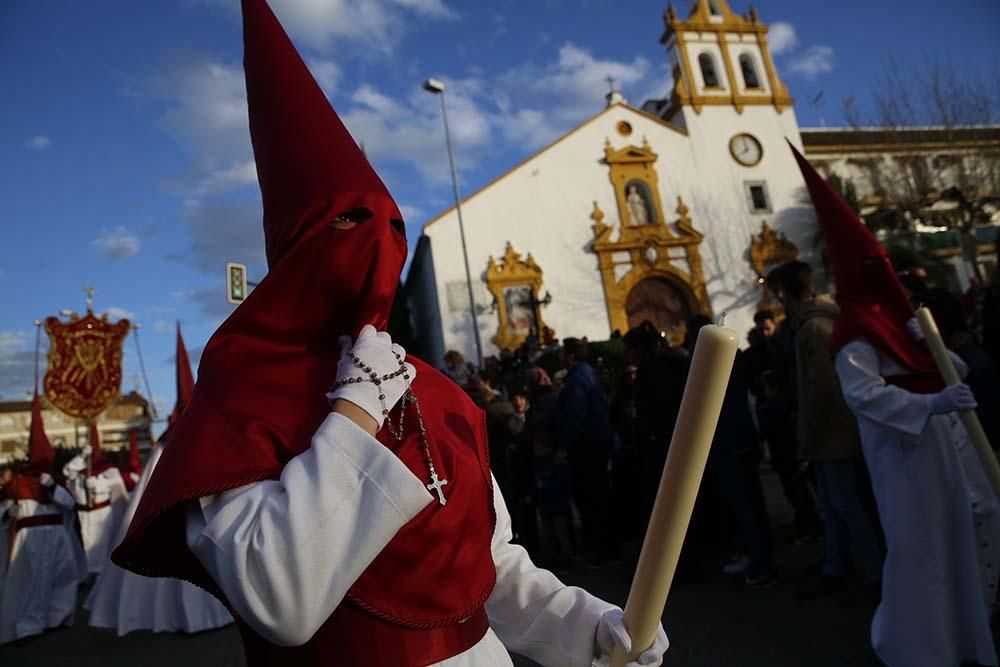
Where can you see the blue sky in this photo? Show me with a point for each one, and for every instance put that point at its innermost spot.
(126, 158)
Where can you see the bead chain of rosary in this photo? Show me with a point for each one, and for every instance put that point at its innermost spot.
(397, 433)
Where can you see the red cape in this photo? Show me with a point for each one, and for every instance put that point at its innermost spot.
(263, 376)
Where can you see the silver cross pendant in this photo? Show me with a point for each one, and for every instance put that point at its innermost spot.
(435, 487)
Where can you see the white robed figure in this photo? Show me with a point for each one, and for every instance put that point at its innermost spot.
(101, 500)
(39, 590)
(125, 601)
(938, 510)
(38, 571)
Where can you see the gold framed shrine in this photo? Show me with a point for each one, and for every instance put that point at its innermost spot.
(514, 283)
(768, 250)
(648, 251)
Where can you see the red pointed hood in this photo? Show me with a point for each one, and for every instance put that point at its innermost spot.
(26, 484)
(308, 165)
(263, 376)
(873, 303)
(185, 378)
(40, 453)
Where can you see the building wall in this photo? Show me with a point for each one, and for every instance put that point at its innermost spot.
(544, 207)
(66, 432)
(714, 187)
(873, 172)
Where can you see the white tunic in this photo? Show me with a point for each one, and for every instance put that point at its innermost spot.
(126, 601)
(39, 585)
(285, 552)
(940, 519)
(97, 526)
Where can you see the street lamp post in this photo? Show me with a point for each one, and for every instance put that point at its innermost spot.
(437, 88)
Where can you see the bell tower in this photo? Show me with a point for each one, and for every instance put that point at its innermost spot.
(719, 58)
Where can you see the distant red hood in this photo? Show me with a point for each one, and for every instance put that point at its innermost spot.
(874, 305)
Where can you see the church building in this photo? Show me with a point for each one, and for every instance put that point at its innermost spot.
(658, 212)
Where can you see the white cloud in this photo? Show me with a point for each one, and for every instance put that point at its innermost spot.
(38, 143)
(116, 313)
(163, 326)
(409, 129)
(227, 178)
(224, 231)
(11, 339)
(655, 86)
(117, 244)
(556, 96)
(212, 301)
(377, 24)
(528, 105)
(411, 213)
(431, 8)
(207, 114)
(781, 37)
(17, 363)
(812, 62)
(326, 72)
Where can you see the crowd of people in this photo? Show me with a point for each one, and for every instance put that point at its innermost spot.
(580, 432)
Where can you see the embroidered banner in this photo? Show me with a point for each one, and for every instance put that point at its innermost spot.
(84, 376)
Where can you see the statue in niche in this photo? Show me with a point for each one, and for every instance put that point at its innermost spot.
(637, 202)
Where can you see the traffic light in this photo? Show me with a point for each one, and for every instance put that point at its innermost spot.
(236, 280)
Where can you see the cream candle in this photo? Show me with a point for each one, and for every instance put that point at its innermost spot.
(711, 365)
(969, 418)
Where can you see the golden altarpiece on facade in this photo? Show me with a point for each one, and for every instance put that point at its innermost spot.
(650, 265)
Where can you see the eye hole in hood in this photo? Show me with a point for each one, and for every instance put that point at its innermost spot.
(398, 225)
(356, 215)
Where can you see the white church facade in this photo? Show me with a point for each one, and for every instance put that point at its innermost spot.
(661, 212)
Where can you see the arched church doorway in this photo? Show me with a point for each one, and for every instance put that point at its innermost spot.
(666, 303)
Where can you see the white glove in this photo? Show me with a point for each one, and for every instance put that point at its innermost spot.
(611, 632)
(952, 399)
(46, 479)
(91, 483)
(916, 333)
(376, 351)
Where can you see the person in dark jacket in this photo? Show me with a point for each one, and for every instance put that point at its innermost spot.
(772, 388)
(828, 436)
(539, 426)
(585, 439)
(661, 372)
(735, 460)
(991, 312)
(983, 379)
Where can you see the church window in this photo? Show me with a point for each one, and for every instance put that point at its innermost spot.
(713, 8)
(749, 71)
(708, 71)
(757, 197)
